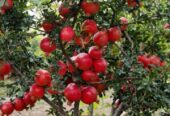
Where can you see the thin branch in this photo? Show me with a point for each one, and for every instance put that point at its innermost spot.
(121, 49)
(55, 107)
(76, 109)
(91, 110)
(122, 107)
(130, 40)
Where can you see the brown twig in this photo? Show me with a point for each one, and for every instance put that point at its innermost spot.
(76, 108)
(55, 107)
(122, 107)
(130, 40)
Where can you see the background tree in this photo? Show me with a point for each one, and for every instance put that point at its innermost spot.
(86, 48)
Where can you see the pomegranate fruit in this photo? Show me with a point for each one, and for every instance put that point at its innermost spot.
(124, 23)
(5, 68)
(95, 52)
(37, 91)
(19, 104)
(89, 95)
(84, 61)
(90, 8)
(62, 68)
(100, 65)
(42, 77)
(89, 26)
(166, 26)
(7, 108)
(114, 34)
(64, 11)
(72, 92)
(67, 34)
(47, 45)
(88, 75)
(100, 38)
(48, 27)
(28, 99)
(154, 60)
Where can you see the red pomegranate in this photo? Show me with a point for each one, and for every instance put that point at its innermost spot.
(95, 52)
(42, 77)
(155, 60)
(114, 34)
(84, 61)
(89, 95)
(90, 8)
(37, 91)
(144, 60)
(47, 45)
(72, 92)
(64, 11)
(100, 38)
(89, 26)
(2, 11)
(167, 26)
(88, 75)
(100, 65)
(5, 68)
(62, 68)
(48, 27)
(8, 4)
(100, 87)
(124, 23)
(19, 104)
(28, 99)
(67, 34)
(7, 108)
(132, 3)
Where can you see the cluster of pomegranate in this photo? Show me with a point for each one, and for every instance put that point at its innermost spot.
(90, 64)
(8, 4)
(5, 69)
(149, 61)
(42, 83)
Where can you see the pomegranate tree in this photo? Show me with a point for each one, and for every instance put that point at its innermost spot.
(95, 51)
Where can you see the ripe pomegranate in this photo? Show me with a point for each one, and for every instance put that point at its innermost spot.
(114, 34)
(37, 91)
(5, 68)
(132, 3)
(84, 61)
(95, 52)
(89, 26)
(2, 11)
(100, 65)
(8, 4)
(72, 92)
(101, 38)
(64, 11)
(88, 75)
(124, 23)
(155, 60)
(67, 34)
(42, 77)
(47, 45)
(89, 95)
(48, 27)
(7, 108)
(19, 104)
(62, 68)
(28, 99)
(144, 60)
(100, 87)
(90, 8)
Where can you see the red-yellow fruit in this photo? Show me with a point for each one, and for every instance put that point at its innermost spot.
(37, 91)
(95, 52)
(100, 66)
(101, 38)
(67, 34)
(47, 45)
(7, 108)
(89, 26)
(19, 104)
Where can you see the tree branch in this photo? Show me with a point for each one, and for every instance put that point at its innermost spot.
(122, 107)
(55, 107)
(76, 109)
